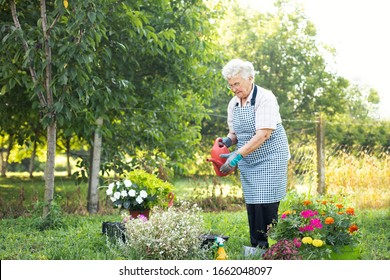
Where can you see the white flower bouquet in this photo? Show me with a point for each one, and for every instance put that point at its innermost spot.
(125, 194)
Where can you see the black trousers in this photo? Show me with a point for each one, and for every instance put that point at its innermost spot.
(260, 216)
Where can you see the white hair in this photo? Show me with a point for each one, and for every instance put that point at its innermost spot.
(237, 67)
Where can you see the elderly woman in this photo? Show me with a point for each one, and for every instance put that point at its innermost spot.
(262, 151)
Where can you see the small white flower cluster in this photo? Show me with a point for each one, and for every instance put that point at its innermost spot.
(120, 191)
(172, 234)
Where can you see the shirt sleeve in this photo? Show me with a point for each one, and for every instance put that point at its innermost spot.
(267, 110)
(230, 110)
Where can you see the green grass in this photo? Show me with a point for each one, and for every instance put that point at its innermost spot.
(80, 237)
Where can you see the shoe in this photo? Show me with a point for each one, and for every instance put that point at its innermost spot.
(253, 251)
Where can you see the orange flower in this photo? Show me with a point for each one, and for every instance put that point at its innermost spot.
(306, 202)
(353, 228)
(339, 206)
(287, 212)
(340, 213)
(329, 220)
(350, 211)
(324, 202)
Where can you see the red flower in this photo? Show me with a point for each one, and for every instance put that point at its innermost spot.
(350, 211)
(353, 228)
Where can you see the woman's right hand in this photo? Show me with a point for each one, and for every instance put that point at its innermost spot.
(225, 141)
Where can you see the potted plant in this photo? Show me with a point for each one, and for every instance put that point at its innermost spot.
(320, 228)
(138, 192)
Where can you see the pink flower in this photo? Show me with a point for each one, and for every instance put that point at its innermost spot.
(297, 242)
(143, 218)
(316, 223)
(308, 213)
(283, 216)
(306, 228)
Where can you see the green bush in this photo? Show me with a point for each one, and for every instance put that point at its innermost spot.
(153, 185)
(53, 220)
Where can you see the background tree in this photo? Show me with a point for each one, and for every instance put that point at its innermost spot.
(56, 53)
(146, 82)
(290, 61)
(93, 68)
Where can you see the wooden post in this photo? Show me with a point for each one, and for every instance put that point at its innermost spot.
(321, 155)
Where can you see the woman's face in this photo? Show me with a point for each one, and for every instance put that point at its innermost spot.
(241, 87)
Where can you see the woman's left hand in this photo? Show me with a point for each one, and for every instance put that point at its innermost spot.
(231, 162)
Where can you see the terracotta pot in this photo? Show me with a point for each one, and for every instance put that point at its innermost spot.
(135, 213)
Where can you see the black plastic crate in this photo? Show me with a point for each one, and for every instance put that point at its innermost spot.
(114, 230)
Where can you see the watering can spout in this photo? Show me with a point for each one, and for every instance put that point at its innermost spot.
(212, 160)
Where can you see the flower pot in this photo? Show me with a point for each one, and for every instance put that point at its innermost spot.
(136, 213)
(114, 230)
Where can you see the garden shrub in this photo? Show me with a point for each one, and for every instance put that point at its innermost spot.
(53, 220)
(153, 185)
(173, 234)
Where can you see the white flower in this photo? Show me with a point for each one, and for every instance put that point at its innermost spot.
(118, 183)
(139, 199)
(127, 183)
(117, 195)
(123, 193)
(109, 191)
(132, 193)
(113, 199)
(143, 194)
(111, 186)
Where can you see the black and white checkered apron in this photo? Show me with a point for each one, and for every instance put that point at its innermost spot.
(264, 171)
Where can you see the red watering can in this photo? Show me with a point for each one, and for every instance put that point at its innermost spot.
(216, 160)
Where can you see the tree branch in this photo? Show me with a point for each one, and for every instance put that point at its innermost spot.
(46, 36)
(33, 74)
(54, 22)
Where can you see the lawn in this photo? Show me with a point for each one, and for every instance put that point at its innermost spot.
(79, 237)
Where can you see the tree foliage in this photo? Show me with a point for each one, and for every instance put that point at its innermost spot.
(146, 71)
(151, 70)
(291, 61)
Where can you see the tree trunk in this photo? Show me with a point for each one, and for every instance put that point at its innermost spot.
(93, 194)
(47, 101)
(68, 156)
(32, 158)
(7, 154)
(1, 158)
(321, 188)
(50, 166)
(52, 127)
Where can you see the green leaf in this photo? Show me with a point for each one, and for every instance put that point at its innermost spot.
(92, 17)
(3, 90)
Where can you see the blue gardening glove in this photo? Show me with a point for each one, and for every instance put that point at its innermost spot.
(231, 162)
(225, 141)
